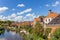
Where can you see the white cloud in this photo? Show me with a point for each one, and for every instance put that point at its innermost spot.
(19, 18)
(10, 17)
(56, 3)
(20, 5)
(1, 16)
(47, 5)
(53, 5)
(13, 15)
(3, 9)
(29, 17)
(25, 11)
(13, 9)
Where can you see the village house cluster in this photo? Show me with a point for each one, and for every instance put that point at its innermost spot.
(51, 18)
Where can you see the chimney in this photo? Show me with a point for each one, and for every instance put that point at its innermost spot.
(50, 11)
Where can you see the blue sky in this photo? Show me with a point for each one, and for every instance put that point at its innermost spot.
(26, 10)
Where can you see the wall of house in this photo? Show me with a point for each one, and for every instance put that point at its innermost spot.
(47, 20)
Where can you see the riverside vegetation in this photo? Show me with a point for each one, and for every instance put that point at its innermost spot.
(32, 33)
(37, 33)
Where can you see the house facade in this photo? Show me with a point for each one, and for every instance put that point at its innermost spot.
(51, 15)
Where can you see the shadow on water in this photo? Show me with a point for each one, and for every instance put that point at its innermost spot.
(2, 30)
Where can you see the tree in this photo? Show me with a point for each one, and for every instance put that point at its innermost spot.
(8, 22)
(41, 16)
(24, 26)
(35, 33)
(1, 22)
(38, 29)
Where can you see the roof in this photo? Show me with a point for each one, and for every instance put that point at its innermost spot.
(37, 19)
(21, 23)
(52, 15)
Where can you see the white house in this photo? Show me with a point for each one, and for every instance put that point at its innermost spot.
(50, 17)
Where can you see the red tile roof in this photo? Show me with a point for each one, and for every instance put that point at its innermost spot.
(21, 23)
(37, 19)
(52, 15)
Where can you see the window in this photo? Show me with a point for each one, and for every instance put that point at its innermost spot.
(46, 20)
(49, 20)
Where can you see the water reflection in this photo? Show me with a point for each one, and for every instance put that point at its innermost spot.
(2, 31)
(11, 35)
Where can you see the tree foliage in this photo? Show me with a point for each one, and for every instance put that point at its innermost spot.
(38, 29)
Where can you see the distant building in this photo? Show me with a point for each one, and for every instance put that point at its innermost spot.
(39, 19)
(19, 24)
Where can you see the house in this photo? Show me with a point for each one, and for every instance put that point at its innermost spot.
(39, 19)
(36, 20)
(19, 24)
(51, 18)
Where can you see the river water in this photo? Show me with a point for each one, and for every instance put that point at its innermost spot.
(10, 36)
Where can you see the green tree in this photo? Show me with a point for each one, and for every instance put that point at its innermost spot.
(38, 31)
(41, 16)
(8, 22)
(1, 22)
(24, 26)
(35, 33)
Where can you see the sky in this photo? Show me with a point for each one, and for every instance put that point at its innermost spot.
(26, 10)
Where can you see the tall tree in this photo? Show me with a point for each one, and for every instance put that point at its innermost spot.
(38, 29)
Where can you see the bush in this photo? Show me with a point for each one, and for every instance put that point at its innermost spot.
(17, 30)
(35, 33)
(48, 30)
(56, 34)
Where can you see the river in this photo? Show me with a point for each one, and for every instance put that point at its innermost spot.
(11, 35)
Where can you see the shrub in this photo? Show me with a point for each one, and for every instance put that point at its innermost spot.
(56, 34)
